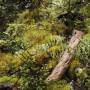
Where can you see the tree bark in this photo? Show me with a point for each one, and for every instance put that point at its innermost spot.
(65, 60)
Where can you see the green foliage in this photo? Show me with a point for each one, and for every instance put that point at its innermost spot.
(31, 44)
(83, 53)
(34, 59)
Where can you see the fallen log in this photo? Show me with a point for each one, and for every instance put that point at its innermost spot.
(65, 60)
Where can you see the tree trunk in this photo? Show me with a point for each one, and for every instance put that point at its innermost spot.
(65, 60)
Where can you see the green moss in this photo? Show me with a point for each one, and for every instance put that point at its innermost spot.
(71, 71)
(8, 62)
(74, 64)
(26, 17)
(8, 79)
(46, 68)
(59, 85)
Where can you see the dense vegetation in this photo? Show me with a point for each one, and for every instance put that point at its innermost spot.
(33, 36)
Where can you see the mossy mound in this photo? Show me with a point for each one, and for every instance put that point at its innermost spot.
(59, 85)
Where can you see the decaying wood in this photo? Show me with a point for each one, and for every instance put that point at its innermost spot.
(65, 60)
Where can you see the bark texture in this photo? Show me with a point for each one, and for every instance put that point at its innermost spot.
(65, 60)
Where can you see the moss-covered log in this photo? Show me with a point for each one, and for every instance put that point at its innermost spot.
(65, 60)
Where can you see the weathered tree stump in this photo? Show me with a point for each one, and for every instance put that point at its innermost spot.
(65, 60)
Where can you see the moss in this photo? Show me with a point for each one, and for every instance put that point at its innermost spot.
(54, 48)
(32, 37)
(47, 67)
(49, 47)
(8, 79)
(8, 62)
(85, 10)
(71, 72)
(74, 64)
(59, 85)
(25, 17)
(40, 58)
